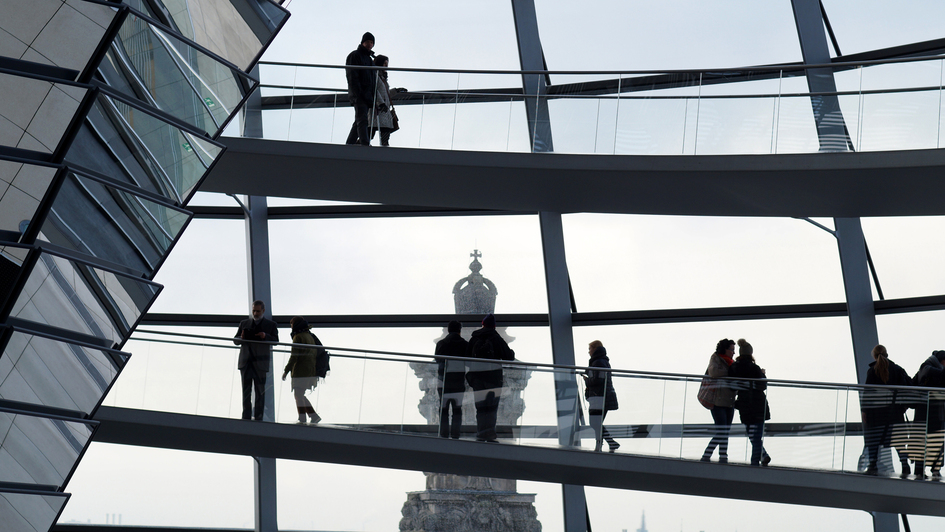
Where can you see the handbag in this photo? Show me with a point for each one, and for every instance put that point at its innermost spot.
(707, 391)
(395, 122)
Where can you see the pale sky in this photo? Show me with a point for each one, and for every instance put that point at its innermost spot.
(616, 263)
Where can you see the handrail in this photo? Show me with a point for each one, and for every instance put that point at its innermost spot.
(534, 365)
(793, 67)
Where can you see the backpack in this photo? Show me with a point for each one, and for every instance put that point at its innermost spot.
(485, 349)
(322, 356)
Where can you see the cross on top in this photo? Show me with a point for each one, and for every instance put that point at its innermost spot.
(475, 254)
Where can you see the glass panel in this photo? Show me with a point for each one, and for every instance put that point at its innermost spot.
(866, 25)
(90, 216)
(39, 370)
(135, 486)
(176, 77)
(23, 511)
(622, 262)
(907, 254)
(421, 260)
(64, 293)
(206, 273)
(22, 186)
(40, 450)
(35, 98)
(142, 150)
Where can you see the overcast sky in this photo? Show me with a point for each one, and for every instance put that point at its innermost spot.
(377, 266)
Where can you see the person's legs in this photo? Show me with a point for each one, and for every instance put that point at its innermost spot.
(385, 137)
(259, 384)
(487, 410)
(246, 379)
(457, 421)
(444, 416)
(359, 129)
(722, 417)
(755, 432)
(595, 413)
(611, 443)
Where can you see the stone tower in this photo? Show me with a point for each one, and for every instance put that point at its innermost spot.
(461, 503)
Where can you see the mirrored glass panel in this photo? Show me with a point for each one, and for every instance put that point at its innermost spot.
(39, 370)
(94, 217)
(162, 70)
(40, 450)
(24, 511)
(22, 187)
(35, 113)
(136, 147)
(72, 295)
(236, 30)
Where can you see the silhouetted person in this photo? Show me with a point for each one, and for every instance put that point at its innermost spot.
(880, 409)
(361, 89)
(750, 401)
(382, 119)
(930, 416)
(451, 374)
(485, 378)
(254, 359)
(302, 366)
(722, 399)
(600, 394)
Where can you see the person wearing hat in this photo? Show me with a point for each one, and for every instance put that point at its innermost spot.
(450, 374)
(361, 89)
(930, 416)
(485, 378)
(750, 400)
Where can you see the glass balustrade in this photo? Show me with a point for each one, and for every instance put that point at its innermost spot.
(882, 106)
(812, 425)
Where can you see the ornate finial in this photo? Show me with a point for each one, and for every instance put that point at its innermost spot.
(474, 294)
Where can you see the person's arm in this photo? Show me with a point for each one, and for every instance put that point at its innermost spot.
(239, 334)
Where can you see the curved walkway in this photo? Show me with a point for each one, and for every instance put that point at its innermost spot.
(848, 184)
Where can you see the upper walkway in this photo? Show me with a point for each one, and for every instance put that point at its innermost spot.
(743, 142)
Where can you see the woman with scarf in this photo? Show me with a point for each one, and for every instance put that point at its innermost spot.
(302, 366)
(723, 400)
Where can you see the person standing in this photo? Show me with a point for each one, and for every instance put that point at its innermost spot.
(361, 89)
(723, 399)
(929, 417)
(382, 118)
(255, 357)
(750, 401)
(451, 375)
(880, 409)
(485, 378)
(302, 366)
(600, 394)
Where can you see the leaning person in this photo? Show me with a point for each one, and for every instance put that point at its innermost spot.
(750, 401)
(451, 374)
(301, 365)
(722, 409)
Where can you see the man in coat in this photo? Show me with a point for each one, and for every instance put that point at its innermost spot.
(485, 378)
(361, 89)
(451, 375)
(255, 358)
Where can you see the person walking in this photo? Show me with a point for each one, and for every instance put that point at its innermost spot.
(361, 89)
(301, 365)
(750, 400)
(451, 374)
(929, 418)
(722, 399)
(880, 409)
(600, 394)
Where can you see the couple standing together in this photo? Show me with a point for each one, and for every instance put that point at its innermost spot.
(369, 94)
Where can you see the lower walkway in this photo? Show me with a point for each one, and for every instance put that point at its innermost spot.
(845, 184)
(536, 463)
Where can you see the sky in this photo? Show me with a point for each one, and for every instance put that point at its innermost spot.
(616, 262)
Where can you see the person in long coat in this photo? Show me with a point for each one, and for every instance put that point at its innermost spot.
(382, 117)
(882, 409)
(600, 394)
(451, 374)
(751, 401)
(930, 416)
(723, 399)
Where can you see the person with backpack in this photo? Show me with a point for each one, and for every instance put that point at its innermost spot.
(451, 376)
(302, 365)
(929, 417)
(600, 394)
(485, 378)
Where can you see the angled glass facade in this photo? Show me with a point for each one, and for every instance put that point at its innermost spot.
(107, 128)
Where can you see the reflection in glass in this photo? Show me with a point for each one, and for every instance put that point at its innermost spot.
(147, 63)
(111, 223)
(43, 371)
(40, 450)
(65, 293)
(25, 511)
(142, 150)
